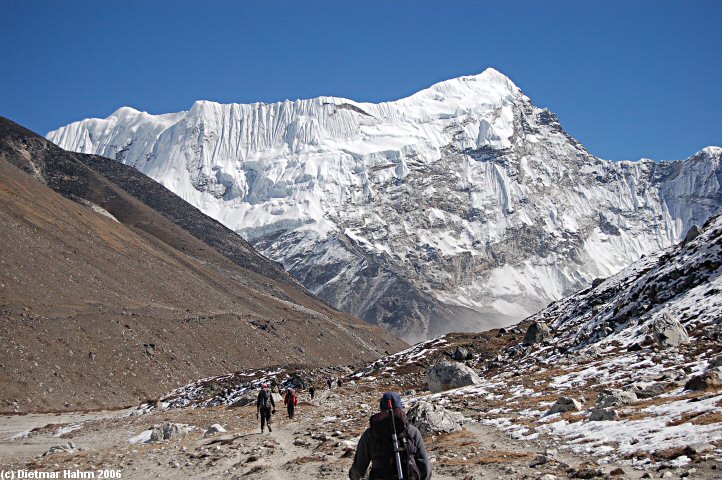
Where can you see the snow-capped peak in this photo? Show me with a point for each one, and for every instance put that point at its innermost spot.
(458, 207)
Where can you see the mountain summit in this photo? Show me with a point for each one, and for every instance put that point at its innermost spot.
(460, 207)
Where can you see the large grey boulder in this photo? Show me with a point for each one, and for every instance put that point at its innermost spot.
(430, 418)
(564, 404)
(168, 431)
(648, 390)
(615, 398)
(668, 332)
(603, 414)
(446, 375)
(538, 332)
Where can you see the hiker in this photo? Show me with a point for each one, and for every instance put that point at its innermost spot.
(312, 391)
(329, 382)
(339, 382)
(265, 406)
(376, 445)
(290, 400)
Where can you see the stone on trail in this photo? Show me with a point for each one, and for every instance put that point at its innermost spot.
(431, 418)
(446, 375)
(564, 404)
(668, 332)
(538, 332)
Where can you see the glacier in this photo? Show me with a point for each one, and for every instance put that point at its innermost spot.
(462, 207)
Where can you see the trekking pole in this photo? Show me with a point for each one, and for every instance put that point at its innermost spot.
(395, 439)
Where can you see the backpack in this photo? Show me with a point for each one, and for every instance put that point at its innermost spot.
(383, 460)
(291, 397)
(264, 397)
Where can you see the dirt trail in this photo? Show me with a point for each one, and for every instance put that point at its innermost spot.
(313, 445)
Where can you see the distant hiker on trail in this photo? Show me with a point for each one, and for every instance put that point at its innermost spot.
(376, 446)
(290, 400)
(265, 406)
(329, 383)
(339, 382)
(312, 391)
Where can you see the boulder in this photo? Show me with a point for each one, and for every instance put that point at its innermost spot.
(615, 398)
(297, 381)
(168, 431)
(644, 391)
(668, 332)
(564, 404)
(603, 414)
(709, 380)
(446, 375)
(430, 418)
(538, 332)
(461, 354)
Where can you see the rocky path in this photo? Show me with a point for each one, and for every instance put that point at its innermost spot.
(318, 443)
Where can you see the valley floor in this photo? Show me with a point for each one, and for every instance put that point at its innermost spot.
(318, 443)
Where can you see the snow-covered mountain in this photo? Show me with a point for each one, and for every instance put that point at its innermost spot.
(461, 207)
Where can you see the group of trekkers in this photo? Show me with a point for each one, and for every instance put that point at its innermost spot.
(391, 444)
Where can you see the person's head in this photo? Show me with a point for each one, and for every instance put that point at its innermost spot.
(394, 398)
(264, 386)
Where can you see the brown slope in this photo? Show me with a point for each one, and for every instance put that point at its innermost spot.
(74, 281)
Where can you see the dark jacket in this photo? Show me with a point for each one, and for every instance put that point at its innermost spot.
(363, 454)
(270, 396)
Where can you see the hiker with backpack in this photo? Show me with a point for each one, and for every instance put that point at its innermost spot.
(290, 400)
(391, 445)
(265, 406)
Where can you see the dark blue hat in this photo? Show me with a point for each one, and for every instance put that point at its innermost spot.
(395, 400)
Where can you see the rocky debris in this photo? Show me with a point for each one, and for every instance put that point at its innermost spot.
(297, 380)
(64, 448)
(538, 332)
(446, 375)
(709, 380)
(461, 354)
(615, 398)
(168, 431)
(668, 332)
(564, 404)
(213, 429)
(432, 418)
(715, 362)
(603, 414)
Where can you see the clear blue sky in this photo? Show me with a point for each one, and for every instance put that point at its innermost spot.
(629, 79)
